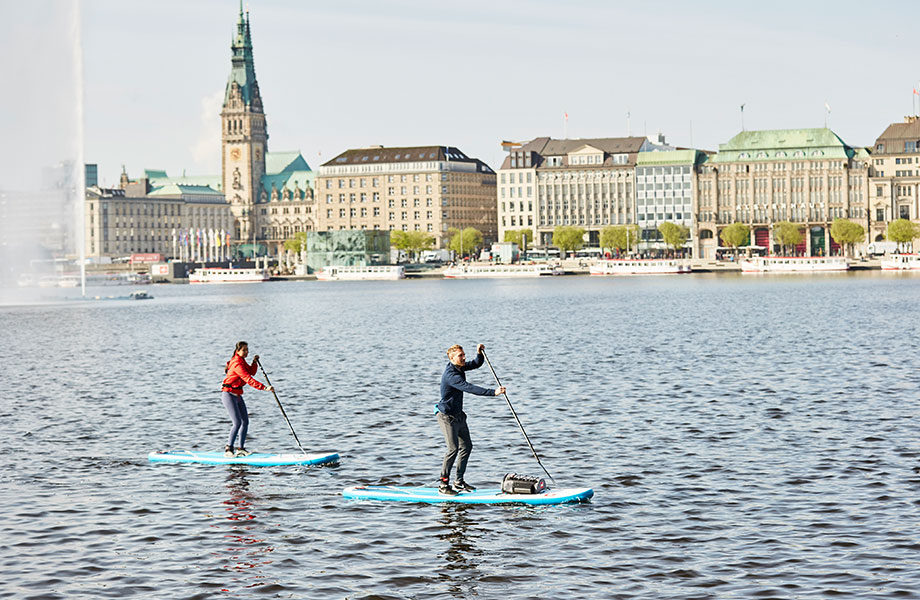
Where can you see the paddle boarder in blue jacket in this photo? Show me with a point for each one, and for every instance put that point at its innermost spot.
(452, 419)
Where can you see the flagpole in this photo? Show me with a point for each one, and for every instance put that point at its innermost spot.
(742, 117)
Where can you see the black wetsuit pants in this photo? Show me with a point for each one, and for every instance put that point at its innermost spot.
(459, 444)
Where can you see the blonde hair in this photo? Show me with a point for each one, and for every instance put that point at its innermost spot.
(454, 349)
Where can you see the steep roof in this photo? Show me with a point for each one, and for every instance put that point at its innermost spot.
(302, 179)
(897, 133)
(773, 144)
(283, 162)
(609, 145)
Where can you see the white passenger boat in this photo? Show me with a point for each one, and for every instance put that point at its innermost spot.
(227, 275)
(639, 267)
(901, 262)
(478, 271)
(360, 273)
(794, 264)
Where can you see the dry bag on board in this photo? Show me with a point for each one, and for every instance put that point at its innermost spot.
(513, 483)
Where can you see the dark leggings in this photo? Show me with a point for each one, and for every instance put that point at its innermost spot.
(237, 409)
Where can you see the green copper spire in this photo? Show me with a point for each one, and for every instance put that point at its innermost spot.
(243, 71)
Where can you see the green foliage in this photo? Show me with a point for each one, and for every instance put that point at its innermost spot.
(846, 232)
(621, 237)
(568, 238)
(674, 235)
(902, 231)
(411, 241)
(735, 235)
(463, 243)
(788, 234)
(519, 237)
(296, 243)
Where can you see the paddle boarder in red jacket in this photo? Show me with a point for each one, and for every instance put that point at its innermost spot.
(239, 372)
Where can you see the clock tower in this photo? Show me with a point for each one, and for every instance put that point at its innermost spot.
(244, 136)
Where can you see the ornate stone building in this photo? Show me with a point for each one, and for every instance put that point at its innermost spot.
(270, 194)
(587, 183)
(805, 176)
(894, 177)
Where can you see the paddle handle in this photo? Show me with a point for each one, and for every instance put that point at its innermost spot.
(283, 414)
(514, 414)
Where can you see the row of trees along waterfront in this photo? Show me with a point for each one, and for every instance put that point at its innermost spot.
(625, 238)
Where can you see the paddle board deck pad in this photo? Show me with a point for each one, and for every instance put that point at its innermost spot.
(483, 496)
(255, 459)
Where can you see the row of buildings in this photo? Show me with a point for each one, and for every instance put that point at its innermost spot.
(262, 198)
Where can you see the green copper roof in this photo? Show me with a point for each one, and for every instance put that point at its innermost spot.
(159, 178)
(175, 189)
(784, 144)
(243, 71)
(669, 157)
(281, 162)
(290, 179)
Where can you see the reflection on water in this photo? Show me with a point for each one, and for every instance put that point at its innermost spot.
(459, 571)
(247, 553)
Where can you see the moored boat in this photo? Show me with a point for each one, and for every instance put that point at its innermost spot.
(361, 273)
(640, 267)
(901, 262)
(794, 264)
(487, 270)
(227, 275)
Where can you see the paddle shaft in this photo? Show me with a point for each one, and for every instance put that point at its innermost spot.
(514, 414)
(284, 414)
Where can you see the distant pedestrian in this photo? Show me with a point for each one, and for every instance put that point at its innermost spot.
(238, 372)
(452, 419)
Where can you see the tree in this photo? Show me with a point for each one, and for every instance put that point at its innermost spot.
(846, 233)
(463, 243)
(735, 235)
(411, 241)
(621, 237)
(787, 234)
(519, 237)
(674, 235)
(296, 243)
(568, 238)
(902, 231)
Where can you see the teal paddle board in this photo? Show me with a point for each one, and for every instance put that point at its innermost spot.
(483, 496)
(255, 459)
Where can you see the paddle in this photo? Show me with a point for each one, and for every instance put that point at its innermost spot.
(284, 414)
(514, 414)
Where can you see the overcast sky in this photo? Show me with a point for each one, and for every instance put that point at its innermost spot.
(350, 73)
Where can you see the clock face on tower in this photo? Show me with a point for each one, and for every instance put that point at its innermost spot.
(235, 154)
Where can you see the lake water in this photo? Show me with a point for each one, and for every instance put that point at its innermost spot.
(746, 437)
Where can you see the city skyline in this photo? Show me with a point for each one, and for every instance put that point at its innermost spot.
(512, 70)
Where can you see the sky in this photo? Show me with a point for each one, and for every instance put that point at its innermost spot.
(352, 73)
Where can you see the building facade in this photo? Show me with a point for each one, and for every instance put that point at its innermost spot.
(894, 176)
(182, 222)
(666, 190)
(587, 183)
(805, 176)
(420, 188)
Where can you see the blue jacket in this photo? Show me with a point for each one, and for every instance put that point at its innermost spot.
(453, 384)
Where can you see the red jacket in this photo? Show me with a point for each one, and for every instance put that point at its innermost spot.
(238, 373)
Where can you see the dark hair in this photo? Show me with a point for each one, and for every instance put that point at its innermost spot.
(239, 345)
